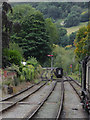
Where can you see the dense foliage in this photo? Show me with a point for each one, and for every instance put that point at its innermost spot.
(6, 25)
(13, 56)
(37, 34)
(72, 12)
(50, 9)
(52, 30)
(31, 35)
(64, 57)
(82, 43)
(73, 19)
(63, 38)
(72, 37)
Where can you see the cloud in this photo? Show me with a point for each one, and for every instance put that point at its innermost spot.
(48, 0)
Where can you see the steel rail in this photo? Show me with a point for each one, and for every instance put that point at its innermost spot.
(61, 101)
(28, 117)
(5, 109)
(75, 89)
(75, 81)
(20, 92)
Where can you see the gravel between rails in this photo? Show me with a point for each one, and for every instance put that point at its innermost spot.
(9, 102)
(28, 105)
(77, 87)
(20, 96)
(72, 106)
(51, 106)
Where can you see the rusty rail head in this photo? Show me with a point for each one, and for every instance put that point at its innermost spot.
(28, 117)
(5, 109)
(75, 90)
(75, 81)
(74, 87)
(20, 92)
(61, 101)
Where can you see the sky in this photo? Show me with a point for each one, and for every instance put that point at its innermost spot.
(46, 0)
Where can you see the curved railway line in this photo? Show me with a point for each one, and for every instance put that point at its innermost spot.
(52, 105)
(41, 104)
(22, 96)
(25, 98)
(11, 101)
(44, 99)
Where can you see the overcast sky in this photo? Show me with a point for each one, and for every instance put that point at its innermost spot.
(47, 0)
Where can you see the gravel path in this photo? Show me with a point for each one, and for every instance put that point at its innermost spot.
(72, 106)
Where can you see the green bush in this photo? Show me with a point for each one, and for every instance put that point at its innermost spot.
(28, 72)
(13, 56)
(32, 61)
(31, 70)
(22, 78)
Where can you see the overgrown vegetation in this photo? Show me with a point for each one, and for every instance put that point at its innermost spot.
(82, 43)
(35, 30)
(64, 57)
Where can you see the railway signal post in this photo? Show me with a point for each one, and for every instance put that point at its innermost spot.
(51, 61)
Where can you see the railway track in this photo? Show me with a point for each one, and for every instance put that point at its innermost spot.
(29, 102)
(8, 98)
(62, 101)
(42, 100)
(11, 101)
(76, 86)
(33, 101)
(12, 96)
(72, 107)
(51, 106)
(41, 104)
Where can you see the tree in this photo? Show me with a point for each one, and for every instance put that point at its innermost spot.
(72, 19)
(63, 58)
(76, 9)
(52, 31)
(54, 12)
(13, 56)
(33, 37)
(72, 38)
(55, 9)
(6, 30)
(63, 39)
(6, 25)
(82, 43)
